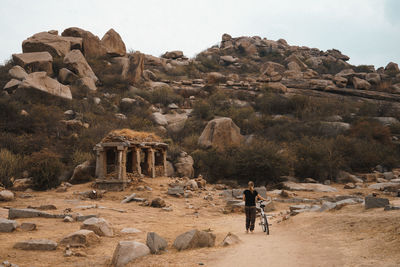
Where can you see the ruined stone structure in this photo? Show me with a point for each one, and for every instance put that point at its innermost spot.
(126, 153)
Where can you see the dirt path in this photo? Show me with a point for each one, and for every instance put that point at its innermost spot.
(285, 246)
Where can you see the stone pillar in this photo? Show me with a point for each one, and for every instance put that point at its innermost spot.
(101, 163)
(136, 160)
(121, 163)
(164, 154)
(150, 163)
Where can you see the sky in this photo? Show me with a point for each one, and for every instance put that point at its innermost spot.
(368, 31)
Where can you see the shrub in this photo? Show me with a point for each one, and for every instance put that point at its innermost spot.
(45, 168)
(371, 131)
(10, 166)
(202, 110)
(78, 157)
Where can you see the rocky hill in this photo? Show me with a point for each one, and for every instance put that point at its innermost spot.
(248, 107)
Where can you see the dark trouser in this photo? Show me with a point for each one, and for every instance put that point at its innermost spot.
(250, 217)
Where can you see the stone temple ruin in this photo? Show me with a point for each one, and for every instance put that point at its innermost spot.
(125, 154)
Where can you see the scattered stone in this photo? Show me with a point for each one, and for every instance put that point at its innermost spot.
(22, 184)
(43, 207)
(36, 244)
(6, 195)
(81, 218)
(68, 219)
(129, 198)
(29, 213)
(194, 239)
(230, 239)
(326, 205)
(158, 203)
(176, 191)
(7, 226)
(375, 202)
(350, 186)
(28, 226)
(130, 231)
(99, 226)
(80, 238)
(192, 185)
(391, 207)
(167, 209)
(156, 243)
(307, 187)
(127, 251)
(384, 186)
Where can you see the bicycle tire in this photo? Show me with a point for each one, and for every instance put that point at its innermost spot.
(266, 224)
(263, 223)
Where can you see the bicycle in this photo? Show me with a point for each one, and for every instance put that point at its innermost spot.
(263, 218)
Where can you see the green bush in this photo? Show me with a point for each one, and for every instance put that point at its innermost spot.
(10, 166)
(45, 168)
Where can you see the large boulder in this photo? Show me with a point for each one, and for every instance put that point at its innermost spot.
(392, 69)
(35, 61)
(220, 133)
(184, 165)
(127, 251)
(156, 243)
(76, 62)
(130, 67)
(92, 45)
(83, 172)
(194, 239)
(98, 225)
(57, 46)
(7, 226)
(6, 195)
(39, 81)
(80, 238)
(36, 244)
(17, 72)
(66, 76)
(113, 43)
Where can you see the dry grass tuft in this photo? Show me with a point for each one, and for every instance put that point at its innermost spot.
(130, 135)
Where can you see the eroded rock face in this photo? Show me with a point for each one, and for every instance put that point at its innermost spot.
(127, 251)
(113, 43)
(361, 84)
(57, 46)
(194, 239)
(41, 82)
(220, 133)
(130, 67)
(78, 64)
(184, 165)
(92, 45)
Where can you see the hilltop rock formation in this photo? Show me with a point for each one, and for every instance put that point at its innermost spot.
(78, 64)
(57, 46)
(92, 45)
(36, 61)
(112, 41)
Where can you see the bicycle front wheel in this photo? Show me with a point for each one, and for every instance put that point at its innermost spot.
(265, 224)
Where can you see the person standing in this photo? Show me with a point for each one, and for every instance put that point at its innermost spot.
(250, 196)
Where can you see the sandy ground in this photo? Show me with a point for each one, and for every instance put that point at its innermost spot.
(351, 236)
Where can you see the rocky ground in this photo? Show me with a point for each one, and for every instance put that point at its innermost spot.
(347, 235)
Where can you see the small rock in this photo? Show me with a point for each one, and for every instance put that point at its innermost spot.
(129, 198)
(158, 203)
(155, 242)
(81, 218)
(310, 180)
(68, 219)
(349, 186)
(36, 244)
(7, 226)
(375, 202)
(130, 231)
(127, 251)
(391, 207)
(80, 238)
(43, 207)
(6, 195)
(28, 226)
(98, 225)
(230, 239)
(175, 191)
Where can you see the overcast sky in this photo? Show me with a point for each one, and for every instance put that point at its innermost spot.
(368, 31)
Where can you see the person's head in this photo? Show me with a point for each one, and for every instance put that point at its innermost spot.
(251, 185)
